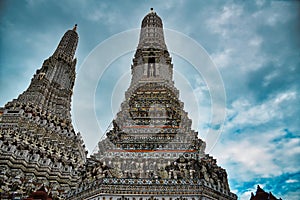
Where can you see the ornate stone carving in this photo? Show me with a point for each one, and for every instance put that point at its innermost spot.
(150, 151)
(36, 134)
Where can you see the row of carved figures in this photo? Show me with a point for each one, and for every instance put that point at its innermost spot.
(181, 168)
(35, 111)
(15, 183)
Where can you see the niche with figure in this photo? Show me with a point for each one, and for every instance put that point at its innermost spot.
(151, 72)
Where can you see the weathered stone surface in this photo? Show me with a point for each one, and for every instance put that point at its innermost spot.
(151, 151)
(38, 144)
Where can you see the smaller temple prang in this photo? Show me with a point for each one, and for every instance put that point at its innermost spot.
(67, 45)
(38, 143)
(51, 87)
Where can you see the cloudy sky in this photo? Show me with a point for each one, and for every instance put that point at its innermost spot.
(254, 45)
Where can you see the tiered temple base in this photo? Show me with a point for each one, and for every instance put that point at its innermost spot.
(144, 189)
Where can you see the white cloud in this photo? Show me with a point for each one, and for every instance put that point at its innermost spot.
(223, 59)
(258, 149)
(96, 15)
(268, 78)
(260, 2)
(101, 13)
(240, 46)
(239, 41)
(230, 15)
(255, 41)
(273, 14)
(292, 181)
(255, 155)
(292, 195)
(170, 4)
(251, 155)
(32, 3)
(245, 195)
(244, 112)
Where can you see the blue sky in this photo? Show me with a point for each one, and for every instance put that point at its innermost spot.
(254, 44)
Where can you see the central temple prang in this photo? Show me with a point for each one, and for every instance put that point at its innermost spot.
(151, 151)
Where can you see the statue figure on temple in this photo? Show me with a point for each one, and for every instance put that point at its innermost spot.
(205, 173)
(151, 70)
(163, 173)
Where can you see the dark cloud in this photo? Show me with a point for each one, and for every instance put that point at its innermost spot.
(274, 78)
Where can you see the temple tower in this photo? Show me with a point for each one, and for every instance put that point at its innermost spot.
(52, 85)
(150, 151)
(38, 144)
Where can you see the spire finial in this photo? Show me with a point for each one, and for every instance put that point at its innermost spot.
(151, 10)
(75, 27)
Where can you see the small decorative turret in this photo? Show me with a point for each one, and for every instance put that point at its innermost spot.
(152, 59)
(38, 143)
(67, 45)
(152, 35)
(52, 85)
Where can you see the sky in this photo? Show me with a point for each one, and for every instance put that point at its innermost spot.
(254, 45)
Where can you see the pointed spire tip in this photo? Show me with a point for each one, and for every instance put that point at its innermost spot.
(75, 27)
